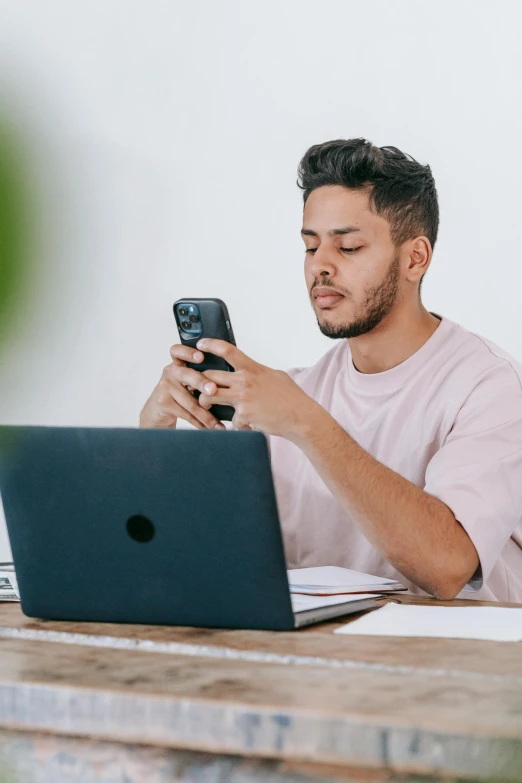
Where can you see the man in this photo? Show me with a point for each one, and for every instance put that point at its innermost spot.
(400, 452)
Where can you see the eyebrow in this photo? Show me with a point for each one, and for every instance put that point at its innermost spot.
(334, 232)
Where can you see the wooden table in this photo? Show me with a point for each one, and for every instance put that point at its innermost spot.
(89, 702)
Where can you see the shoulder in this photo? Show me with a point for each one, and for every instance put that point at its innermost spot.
(488, 378)
(486, 360)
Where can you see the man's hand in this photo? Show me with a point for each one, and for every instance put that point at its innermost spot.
(264, 399)
(172, 399)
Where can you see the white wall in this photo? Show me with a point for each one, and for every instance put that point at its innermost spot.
(165, 138)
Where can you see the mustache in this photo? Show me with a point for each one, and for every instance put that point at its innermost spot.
(326, 283)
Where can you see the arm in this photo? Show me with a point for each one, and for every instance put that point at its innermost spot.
(474, 477)
(415, 532)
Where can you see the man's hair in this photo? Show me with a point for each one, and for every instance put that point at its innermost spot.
(400, 189)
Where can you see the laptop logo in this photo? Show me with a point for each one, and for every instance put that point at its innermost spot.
(140, 528)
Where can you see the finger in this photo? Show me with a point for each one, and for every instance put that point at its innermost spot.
(180, 373)
(230, 353)
(198, 424)
(221, 378)
(239, 424)
(178, 412)
(203, 415)
(185, 353)
(197, 380)
(204, 401)
(188, 405)
(192, 420)
(221, 397)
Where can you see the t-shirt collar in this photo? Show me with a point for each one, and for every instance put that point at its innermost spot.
(398, 375)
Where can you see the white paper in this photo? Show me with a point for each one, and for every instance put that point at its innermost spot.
(333, 576)
(495, 623)
(301, 603)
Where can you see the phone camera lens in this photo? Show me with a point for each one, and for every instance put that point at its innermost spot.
(186, 325)
(193, 318)
(182, 311)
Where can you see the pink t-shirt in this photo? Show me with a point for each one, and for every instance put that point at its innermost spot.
(449, 419)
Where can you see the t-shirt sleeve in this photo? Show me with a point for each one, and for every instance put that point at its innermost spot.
(478, 471)
(294, 372)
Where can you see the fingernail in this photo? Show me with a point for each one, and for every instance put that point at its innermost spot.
(220, 426)
(198, 356)
(201, 344)
(209, 388)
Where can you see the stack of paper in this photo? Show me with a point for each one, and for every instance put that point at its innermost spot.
(332, 580)
(8, 583)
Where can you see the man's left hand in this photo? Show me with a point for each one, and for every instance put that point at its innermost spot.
(264, 399)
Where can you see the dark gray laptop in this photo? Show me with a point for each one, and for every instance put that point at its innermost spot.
(149, 526)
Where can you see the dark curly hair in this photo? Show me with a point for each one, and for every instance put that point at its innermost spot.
(400, 189)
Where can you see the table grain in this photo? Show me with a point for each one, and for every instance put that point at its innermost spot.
(107, 702)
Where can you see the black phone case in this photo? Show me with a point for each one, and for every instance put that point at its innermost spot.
(216, 323)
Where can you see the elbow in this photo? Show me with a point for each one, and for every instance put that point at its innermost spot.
(450, 585)
(443, 587)
(452, 579)
(446, 591)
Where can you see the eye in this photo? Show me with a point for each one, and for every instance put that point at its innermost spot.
(350, 249)
(310, 250)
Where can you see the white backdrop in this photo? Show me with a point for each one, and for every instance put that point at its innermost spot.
(165, 138)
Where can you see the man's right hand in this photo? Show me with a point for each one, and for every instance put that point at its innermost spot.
(172, 399)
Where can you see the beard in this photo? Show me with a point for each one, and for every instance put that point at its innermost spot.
(377, 305)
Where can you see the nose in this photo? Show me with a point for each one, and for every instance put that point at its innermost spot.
(321, 264)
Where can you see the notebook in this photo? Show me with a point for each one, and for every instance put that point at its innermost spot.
(333, 580)
(8, 583)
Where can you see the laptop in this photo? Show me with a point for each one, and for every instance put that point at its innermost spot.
(168, 527)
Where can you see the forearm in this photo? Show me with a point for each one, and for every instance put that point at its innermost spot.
(414, 531)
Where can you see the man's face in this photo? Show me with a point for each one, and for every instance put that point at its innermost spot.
(352, 266)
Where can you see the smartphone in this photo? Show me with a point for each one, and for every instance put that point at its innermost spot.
(197, 318)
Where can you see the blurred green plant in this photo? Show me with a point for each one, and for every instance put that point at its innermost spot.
(16, 228)
(7, 773)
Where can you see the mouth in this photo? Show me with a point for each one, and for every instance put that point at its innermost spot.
(326, 298)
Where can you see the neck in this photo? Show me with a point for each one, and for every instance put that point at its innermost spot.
(394, 340)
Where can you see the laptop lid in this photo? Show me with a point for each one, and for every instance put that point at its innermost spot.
(171, 527)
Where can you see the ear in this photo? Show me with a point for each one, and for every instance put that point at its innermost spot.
(419, 253)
